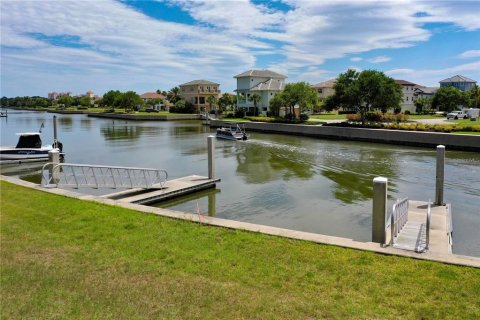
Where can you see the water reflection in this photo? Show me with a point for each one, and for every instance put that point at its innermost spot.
(353, 172)
(66, 123)
(121, 132)
(262, 162)
(203, 202)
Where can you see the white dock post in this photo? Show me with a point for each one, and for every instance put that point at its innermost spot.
(211, 157)
(440, 176)
(379, 210)
(54, 158)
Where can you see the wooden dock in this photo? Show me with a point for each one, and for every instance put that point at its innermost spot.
(171, 189)
(413, 236)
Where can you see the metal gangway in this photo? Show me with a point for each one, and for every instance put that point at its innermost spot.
(413, 234)
(95, 176)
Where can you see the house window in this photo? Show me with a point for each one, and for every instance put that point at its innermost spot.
(271, 93)
(251, 80)
(202, 100)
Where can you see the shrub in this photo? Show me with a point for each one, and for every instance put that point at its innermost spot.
(353, 117)
(304, 117)
(182, 106)
(407, 112)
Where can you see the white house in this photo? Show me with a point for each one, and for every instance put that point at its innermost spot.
(265, 83)
(408, 90)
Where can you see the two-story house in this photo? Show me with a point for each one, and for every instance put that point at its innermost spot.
(197, 92)
(265, 83)
(325, 89)
(459, 82)
(408, 90)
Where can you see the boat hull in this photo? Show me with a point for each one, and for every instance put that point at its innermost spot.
(24, 153)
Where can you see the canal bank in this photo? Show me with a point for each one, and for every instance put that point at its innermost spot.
(411, 138)
(268, 230)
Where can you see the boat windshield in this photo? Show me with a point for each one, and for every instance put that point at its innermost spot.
(30, 141)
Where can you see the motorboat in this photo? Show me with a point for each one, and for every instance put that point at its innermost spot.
(231, 132)
(29, 146)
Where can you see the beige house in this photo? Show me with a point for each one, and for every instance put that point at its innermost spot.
(408, 90)
(197, 92)
(264, 83)
(325, 89)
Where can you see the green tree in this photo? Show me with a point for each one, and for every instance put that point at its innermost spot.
(172, 95)
(225, 101)
(276, 103)
(423, 105)
(474, 97)
(449, 98)
(255, 98)
(110, 98)
(67, 101)
(85, 101)
(301, 94)
(366, 91)
(211, 100)
(129, 100)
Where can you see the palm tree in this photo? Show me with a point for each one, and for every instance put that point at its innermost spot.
(256, 99)
(211, 101)
(173, 94)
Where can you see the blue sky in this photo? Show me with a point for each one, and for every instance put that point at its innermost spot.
(148, 45)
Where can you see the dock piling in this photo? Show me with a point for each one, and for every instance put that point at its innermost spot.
(379, 210)
(211, 157)
(440, 175)
(53, 158)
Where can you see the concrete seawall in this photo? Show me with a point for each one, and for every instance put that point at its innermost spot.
(413, 138)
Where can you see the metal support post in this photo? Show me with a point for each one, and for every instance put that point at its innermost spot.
(379, 210)
(211, 157)
(440, 176)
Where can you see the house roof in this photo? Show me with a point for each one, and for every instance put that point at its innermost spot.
(271, 84)
(152, 95)
(325, 84)
(261, 73)
(427, 90)
(458, 78)
(205, 82)
(405, 83)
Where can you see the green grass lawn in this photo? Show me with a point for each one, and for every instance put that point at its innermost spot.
(328, 116)
(467, 132)
(66, 258)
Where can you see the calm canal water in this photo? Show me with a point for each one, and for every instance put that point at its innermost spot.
(300, 183)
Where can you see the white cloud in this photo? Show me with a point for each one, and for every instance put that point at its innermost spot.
(379, 59)
(470, 54)
(431, 77)
(121, 47)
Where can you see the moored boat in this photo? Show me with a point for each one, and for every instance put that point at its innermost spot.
(29, 146)
(231, 132)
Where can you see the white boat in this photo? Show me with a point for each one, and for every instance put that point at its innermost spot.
(231, 132)
(29, 146)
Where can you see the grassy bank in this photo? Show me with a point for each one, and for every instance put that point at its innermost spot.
(67, 258)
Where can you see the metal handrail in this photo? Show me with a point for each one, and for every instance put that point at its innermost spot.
(427, 225)
(399, 217)
(96, 176)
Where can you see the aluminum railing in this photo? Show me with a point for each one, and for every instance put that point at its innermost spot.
(94, 176)
(399, 218)
(427, 225)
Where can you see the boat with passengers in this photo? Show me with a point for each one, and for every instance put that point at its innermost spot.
(231, 131)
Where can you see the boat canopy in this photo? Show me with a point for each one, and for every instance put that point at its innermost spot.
(29, 140)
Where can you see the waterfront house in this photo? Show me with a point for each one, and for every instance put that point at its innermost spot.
(197, 92)
(265, 83)
(148, 96)
(408, 90)
(459, 82)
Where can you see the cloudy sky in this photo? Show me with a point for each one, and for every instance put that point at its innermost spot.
(147, 45)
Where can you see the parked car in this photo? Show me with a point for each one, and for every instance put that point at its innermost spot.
(457, 115)
(151, 110)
